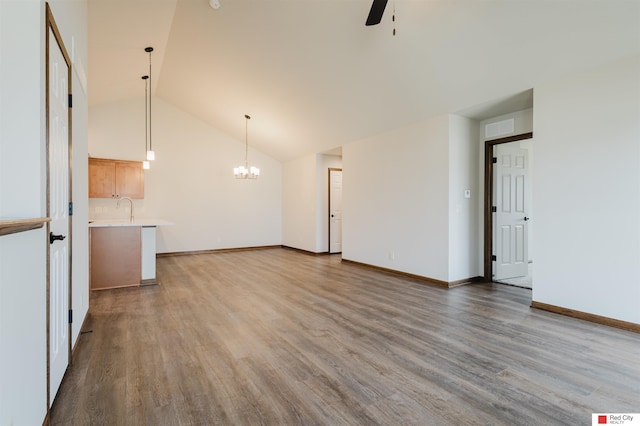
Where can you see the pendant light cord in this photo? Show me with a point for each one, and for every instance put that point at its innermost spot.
(151, 88)
(149, 50)
(146, 115)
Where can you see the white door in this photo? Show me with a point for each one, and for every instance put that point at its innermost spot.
(59, 248)
(510, 220)
(335, 211)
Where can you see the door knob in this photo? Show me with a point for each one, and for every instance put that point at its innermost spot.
(526, 218)
(53, 237)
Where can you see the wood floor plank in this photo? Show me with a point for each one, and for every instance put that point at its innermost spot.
(276, 337)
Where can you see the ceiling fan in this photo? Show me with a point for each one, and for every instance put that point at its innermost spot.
(375, 14)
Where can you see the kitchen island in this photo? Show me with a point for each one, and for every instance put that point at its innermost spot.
(123, 253)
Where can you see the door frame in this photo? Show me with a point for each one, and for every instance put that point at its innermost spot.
(488, 198)
(331, 169)
(51, 26)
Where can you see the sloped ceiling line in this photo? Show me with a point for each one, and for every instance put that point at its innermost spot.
(314, 77)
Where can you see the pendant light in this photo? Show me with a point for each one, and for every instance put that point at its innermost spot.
(145, 163)
(246, 172)
(150, 154)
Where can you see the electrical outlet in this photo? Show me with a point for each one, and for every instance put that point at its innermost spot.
(467, 193)
(392, 255)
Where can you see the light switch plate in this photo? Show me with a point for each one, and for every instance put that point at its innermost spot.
(467, 193)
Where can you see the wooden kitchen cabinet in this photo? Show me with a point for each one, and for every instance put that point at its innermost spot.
(115, 178)
(114, 257)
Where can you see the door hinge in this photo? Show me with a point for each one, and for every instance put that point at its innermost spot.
(70, 100)
(494, 160)
(70, 208)
(494, 209)
(493, 257)
(70, 316)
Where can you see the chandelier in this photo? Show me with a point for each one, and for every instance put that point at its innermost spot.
(246, 172)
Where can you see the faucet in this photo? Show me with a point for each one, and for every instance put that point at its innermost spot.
(130, 202)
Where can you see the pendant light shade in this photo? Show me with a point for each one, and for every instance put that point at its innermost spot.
(244, 171)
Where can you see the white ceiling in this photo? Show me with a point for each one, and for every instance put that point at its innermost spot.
(313, 77)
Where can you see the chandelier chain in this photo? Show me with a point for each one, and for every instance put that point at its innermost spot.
(246, 141)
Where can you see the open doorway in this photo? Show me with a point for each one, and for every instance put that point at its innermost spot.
(507, 211)
(335, 210)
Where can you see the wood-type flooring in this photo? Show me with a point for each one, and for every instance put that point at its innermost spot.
(277, 337)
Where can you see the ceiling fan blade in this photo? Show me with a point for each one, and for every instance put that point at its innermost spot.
(375, 14)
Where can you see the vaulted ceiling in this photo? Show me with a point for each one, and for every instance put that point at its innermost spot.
(314, 77)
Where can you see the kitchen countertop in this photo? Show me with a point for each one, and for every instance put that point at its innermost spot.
(99, 223)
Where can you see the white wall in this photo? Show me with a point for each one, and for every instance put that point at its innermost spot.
(23, 194)
(396, 198)
(587, 192)
(463, 212)
(22, 115)
(299, 204)
(23, 398)
(191, 182)
(23, 357)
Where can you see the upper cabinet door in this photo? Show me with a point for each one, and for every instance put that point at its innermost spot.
(129, 179)
(115, 178)
(102, 178)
